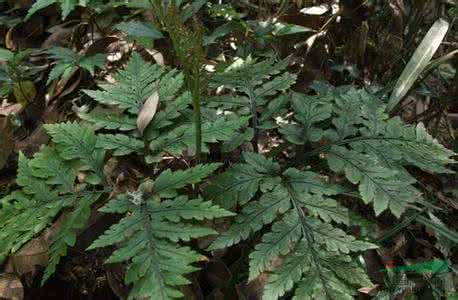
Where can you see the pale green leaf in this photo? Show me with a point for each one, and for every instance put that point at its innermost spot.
(419, 61)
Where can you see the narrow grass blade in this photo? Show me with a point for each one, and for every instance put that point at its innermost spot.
(419, 61)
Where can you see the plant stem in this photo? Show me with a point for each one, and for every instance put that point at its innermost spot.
(189, 50)
(197, 119)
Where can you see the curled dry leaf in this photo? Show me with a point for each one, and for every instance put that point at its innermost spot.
(9, 42)
(158, 57)
(11, 287)
(147, 112)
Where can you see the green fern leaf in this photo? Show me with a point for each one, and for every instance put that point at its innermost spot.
(298, 237)
(310, 182)
(386, 188)
(368, 146)
(134, 85)
(156, 265)
(278, 84)
(309, 111)
(179, 139)
(290, 272)
(248, 75)
(168, 182)
(261, 164)
(147, 236)
(120, 144)
(275, 243)
(19, 222)
(27, 180)
(109, 121)
(47, 164)
(326, 209)
(254, 216)
(74, 141)
(241, 182)
(335, 239)
(184, 208)
(68, 233)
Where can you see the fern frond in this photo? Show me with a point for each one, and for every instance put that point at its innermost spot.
(148, 236)
(109, 121)
(29, 183)
(240, 183)
(309, 111)
(66, 236)
(68, 60)
(47, 183)
(181, 138)
(75, 142)
(283, 235)
(183, 208)
(119, 144)
(168, 182)
(386, 188)
(133, 85)
(253, 217)
(48, 165)
(293, 204)
(366, 145)
(254, 85)
(248, 75)
(22, 217)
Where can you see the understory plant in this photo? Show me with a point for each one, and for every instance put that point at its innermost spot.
(286, 173)
(304, 244)
(343, 140)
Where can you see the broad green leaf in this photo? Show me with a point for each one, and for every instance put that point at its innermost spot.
(6, 55)
(139, 29)
(418, 62)
(281, 29)
(39, 5)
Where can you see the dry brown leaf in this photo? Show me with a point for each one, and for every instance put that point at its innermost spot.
(158, 57)
(371, 290)
(32, 254)
(9, 43)
(59, 37)
(10, 108)
(61, 92)
(147, 112)
(33, 142)
(11, 287)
